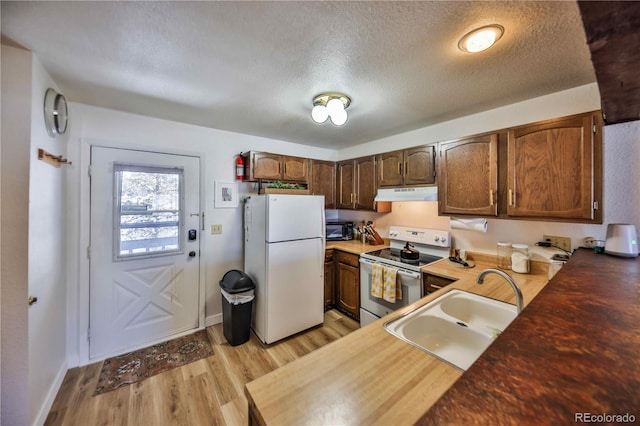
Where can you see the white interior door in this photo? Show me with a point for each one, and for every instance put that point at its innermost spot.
(145, 249)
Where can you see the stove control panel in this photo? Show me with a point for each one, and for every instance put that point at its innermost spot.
(432, 237)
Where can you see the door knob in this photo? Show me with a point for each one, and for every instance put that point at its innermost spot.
(192, 254)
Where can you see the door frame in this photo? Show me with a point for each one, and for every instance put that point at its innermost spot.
(81, 300)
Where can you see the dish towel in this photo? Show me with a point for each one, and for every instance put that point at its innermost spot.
(376, 280)
(392, 288)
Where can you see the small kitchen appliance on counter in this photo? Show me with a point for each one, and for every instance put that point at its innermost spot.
(336, 230)
(410, 249)
(622, 240)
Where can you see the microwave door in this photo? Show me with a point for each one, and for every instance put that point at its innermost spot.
(334, 232)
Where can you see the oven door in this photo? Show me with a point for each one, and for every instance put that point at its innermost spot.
(372, 308)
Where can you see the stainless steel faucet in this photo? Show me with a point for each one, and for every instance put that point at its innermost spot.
(514, 285)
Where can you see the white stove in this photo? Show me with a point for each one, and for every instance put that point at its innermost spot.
(432, 245)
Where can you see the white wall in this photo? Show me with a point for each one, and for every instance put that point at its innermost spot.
(47, 258)
(218, 149)
(16, 112)
(621, 175)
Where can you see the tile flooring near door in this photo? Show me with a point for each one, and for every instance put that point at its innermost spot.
(206, 392)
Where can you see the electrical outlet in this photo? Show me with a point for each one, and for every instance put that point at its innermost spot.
(216, 229)
(563, 243)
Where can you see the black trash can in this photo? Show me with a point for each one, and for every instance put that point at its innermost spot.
(237, 291)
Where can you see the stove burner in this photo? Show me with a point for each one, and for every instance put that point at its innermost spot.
(410, 261)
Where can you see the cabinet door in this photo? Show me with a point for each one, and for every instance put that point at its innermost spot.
(328, 284)
(323, 181)
(348, 283)
(468, 176)
(389, 167)
(550, 169)
(295, 169)
(265, 166)
(419, 166)
(344, 185)
(365, 183)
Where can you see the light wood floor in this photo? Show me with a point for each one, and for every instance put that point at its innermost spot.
(206, 392)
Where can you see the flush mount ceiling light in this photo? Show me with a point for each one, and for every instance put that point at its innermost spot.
(330, 105)
(481, 38)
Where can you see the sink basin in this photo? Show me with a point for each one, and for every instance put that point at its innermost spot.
(456, 327)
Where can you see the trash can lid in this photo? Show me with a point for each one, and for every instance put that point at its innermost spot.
(235, 281)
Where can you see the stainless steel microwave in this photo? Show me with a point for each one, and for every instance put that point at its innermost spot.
(339, 230)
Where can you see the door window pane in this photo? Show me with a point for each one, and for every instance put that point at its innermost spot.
(148, 217)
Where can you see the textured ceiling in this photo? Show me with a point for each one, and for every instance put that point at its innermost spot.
(254, 67)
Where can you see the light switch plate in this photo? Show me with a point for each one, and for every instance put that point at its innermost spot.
(216, 229)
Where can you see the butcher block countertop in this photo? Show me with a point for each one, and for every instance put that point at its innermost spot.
(369, 376)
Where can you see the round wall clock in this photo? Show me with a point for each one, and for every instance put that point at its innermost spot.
(55, 113)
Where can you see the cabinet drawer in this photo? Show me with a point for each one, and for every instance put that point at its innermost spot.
(328, 255)
(433, 283)
(347, 258)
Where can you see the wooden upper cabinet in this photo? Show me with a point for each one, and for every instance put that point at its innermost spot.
(468, 176)
(390, 168)
(268, 166)
(550, 170)
(323, 181)
(414, 166)
(295, 169)
(419, 166)
(262, 165)
(345, 187)
(356, 185)
(366, 189)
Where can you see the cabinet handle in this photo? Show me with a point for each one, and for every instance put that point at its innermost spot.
(399, 168)
(405, 168)
(491, 197)
(510, 198)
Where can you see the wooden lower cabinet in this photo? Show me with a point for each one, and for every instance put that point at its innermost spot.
(329, 280)
(431, 283)
(348, 283)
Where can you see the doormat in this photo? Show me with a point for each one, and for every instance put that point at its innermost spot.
(138, 365)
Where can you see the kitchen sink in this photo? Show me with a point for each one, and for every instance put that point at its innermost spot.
(456, 327)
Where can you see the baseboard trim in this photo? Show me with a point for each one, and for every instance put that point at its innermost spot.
(51, 395)
(213, 320)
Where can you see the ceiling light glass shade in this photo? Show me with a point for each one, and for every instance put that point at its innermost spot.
(481, 39)
(339, 117)
(332, 105)
(319, 114)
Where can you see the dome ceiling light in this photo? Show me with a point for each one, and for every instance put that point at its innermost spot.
(481, 38)
(330, 105)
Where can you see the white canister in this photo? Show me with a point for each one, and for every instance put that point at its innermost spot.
(520, 258)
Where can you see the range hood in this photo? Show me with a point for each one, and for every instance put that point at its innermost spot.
(422, 193)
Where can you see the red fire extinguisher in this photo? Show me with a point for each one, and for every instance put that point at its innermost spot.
(240, 167)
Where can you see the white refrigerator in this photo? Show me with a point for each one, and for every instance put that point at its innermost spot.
(284, 245)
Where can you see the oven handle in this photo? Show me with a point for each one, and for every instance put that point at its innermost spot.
(402, 272)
